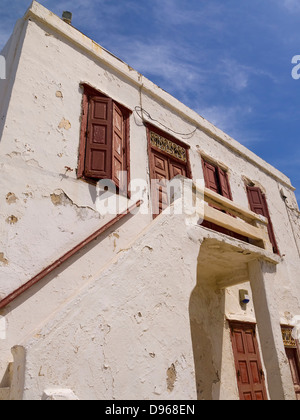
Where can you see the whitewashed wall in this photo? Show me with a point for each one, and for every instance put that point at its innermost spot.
(45, 211)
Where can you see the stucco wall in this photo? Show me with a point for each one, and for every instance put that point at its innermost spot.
(45, 211)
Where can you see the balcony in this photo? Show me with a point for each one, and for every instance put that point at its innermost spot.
(237, 219)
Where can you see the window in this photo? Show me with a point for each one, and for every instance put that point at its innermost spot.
(216, 179)
(258, 204)
(168, 158)
(104, 143)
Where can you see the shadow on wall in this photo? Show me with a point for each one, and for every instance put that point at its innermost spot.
(11, 53)
(206, 310)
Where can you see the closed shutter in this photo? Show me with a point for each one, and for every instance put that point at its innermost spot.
(119, 163)
(224, 184)
(258, 204)
(160, 173)
(211, 177)
(255, 198)
(98, 161)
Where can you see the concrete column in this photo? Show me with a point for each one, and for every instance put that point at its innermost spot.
(262, 277)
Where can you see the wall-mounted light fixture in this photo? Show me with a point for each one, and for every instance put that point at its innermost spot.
(244, 297)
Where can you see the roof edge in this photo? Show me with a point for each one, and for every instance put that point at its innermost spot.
(38, 12)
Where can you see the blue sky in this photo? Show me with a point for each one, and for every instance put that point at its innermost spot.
(229, 60)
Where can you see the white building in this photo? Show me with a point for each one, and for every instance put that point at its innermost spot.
(147, 307)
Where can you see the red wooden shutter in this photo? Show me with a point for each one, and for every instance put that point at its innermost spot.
(270, 226)
(224, 184)
(160, 172)
(258, 204)
(256, 200)
(119, 157)
(98, 163)
(211, 177)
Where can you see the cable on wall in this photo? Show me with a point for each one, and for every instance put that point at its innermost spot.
(295, 212)
(141, 112)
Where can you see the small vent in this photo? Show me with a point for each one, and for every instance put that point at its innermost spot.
(67, 17)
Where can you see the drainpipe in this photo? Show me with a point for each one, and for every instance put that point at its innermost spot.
(66, 256)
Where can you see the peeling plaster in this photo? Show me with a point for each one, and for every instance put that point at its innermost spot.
(65, 124)
(171, 377)
(60, 198)
(12, 220)
(3, 260)
(11, 198)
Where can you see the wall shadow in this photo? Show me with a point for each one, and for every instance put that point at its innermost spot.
(206, 310)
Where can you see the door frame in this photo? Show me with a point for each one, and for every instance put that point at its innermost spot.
(296, 348)
(253, 326)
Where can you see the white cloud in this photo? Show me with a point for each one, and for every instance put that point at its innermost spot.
(235, 74)
(179, 13)
(238, 76)
(162, 60)
(227, 118)
(291, 5)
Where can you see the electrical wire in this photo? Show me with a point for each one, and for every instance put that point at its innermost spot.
(141, 112)
(293, 209)
(297, 214)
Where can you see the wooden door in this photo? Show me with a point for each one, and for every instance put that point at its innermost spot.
(160, 173)
(292, 356)
(250, 375)
(168, 158)
(164, 169)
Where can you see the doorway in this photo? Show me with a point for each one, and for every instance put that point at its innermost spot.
(168, 157)
(249, 371)
(292, 350)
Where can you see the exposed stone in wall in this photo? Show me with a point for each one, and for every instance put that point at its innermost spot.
(12, 220)
(60, 198)
(65, 124)
(171, 377)
(11, 198)
(3, 260)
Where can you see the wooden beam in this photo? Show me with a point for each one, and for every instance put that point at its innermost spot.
(235, 225)
(230, 205)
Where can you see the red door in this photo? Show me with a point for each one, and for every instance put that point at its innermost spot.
(160, 174)
(168, 158)
(250, 376)
(293, 359)
(163, 169)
